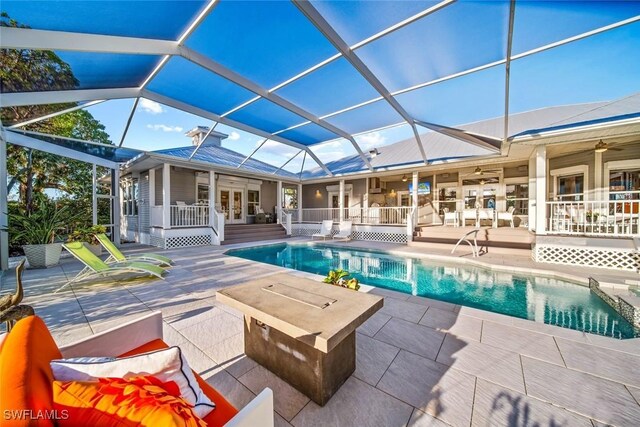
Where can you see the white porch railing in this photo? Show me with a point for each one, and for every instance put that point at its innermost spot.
(602, 218)
(189, 216)
(218, 224)
(371, 215)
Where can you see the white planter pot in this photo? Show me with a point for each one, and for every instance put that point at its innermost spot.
(95, 249)
(43, 256)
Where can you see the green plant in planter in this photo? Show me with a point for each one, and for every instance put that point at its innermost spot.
(41, 226)
(87, 235)
(340, 277)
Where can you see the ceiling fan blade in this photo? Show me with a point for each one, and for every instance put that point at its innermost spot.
(615, 149)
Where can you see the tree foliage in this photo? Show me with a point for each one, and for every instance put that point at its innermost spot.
(32, 172)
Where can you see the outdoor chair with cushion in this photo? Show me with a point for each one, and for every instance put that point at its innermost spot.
(470, 214)
(325, 230)
(344, 234)
(507, 216)
(32, 384)
(450, 218)
(94, 266)
(116, 256)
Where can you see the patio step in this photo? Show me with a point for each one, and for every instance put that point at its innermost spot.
(243, 233)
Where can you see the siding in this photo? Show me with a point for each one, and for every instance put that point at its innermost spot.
(514, 172)
(268, 196)
(312, 200)
(183, 186)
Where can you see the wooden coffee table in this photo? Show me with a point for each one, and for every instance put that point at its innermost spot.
(302, 330)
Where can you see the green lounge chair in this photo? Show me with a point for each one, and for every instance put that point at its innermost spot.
(116, 256)
(94, 266)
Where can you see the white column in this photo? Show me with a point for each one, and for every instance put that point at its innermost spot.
(299, 202)
(94, 195)
(152, 189)
(117, 204)
(4, 222)
(540, 174)
(212, 198)
(598, 183)
(279, 202)
(414, 190)
(166, 196)
(341, 200)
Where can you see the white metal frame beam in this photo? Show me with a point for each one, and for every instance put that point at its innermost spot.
(483, 141)
(57, 113)
(19, 99)
(4, 210)
(330, 33)
(206, 135)
(27, 38)
(224, 120)
(507, 75)
(245, 83)
(287, 162)
(37, 144)
(126, 126)
(264, 141)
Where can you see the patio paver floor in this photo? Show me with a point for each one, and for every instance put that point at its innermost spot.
(420, 362)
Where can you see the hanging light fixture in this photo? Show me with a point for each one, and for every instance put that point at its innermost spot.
(477, 171)
(404, 178)
(601, 147)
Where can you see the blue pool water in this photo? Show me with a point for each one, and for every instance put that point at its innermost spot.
(542, 299)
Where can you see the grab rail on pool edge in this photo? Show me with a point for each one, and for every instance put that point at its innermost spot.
(474, 246)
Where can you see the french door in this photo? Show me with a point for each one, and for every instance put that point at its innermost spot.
(232, 205)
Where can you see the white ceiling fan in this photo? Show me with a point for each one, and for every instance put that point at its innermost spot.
(478, 171)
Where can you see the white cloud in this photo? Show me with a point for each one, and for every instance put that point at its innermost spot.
(370, 140)
(165, 128)
(234, 136)
(151, 107)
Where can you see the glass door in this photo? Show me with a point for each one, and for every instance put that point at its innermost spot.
(224, 203)
(238, 207)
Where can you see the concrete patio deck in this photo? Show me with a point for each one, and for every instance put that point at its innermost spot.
(420, 362)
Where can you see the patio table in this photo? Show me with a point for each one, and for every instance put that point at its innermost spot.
(302, 330)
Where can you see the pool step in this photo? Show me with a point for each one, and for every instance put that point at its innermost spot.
(243, 233)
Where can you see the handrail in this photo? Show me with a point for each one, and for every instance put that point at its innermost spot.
(474, 246)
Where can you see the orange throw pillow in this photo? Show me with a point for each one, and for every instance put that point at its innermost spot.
(136, 401)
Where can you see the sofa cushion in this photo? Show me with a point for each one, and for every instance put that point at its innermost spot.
(25, 372)
(224, 410)
(166, 364)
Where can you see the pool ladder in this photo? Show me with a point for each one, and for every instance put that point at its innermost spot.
(474, 246)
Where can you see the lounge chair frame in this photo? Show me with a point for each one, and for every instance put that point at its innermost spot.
(116, 256)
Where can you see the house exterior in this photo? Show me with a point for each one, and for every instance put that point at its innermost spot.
(574, 199)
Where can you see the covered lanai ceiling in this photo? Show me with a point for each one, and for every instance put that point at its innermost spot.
(302, 73)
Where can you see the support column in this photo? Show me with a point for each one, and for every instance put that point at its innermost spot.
(212, 198)
(94, 195)
(279, 203)
(598, 183)
(540, 177)
(4, 221)
(166, 196)
(152, 189)
(299, 203)
(414, 189)
(117, 204)
(341, 200)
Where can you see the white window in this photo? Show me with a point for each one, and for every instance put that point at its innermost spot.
(570, 187)
(518, 197)
(130, 197)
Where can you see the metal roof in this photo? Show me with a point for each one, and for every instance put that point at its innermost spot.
(305, 72)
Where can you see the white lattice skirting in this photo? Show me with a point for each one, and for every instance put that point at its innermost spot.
(180, 241)
(618, 259)
(391, 236)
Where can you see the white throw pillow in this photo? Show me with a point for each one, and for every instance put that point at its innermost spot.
(167, 365)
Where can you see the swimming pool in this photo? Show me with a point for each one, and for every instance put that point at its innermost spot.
(542, 299)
